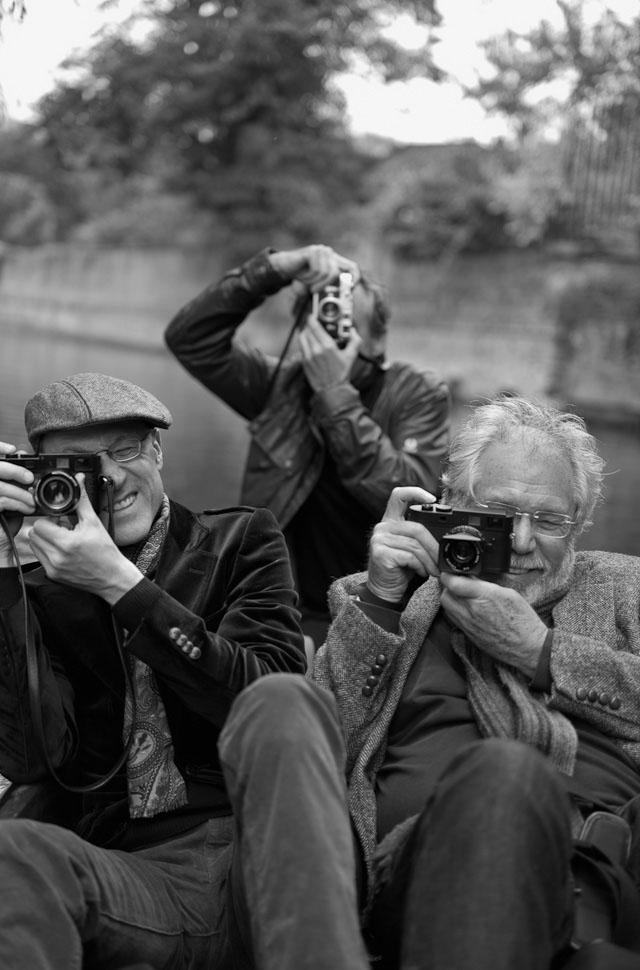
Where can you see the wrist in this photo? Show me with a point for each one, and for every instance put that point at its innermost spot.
(390, 599)
(121, 583)
(278, 265)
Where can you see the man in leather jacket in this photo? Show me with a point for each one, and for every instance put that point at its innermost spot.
(333, 429)
(123, 646)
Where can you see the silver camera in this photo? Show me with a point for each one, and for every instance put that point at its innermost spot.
(332, 306)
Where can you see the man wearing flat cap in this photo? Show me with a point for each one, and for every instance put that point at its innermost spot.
(132, 659)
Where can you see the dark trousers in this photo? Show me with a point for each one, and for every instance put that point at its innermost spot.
(483, 880)
(273, 888)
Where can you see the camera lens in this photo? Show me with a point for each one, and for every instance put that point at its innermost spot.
(56, 493)
(461, 554)
(329, 310)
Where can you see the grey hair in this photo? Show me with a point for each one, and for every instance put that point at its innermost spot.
(498, 420)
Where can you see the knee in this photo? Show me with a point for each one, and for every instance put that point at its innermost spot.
(17, 840)
(279, 709)
(505, 772)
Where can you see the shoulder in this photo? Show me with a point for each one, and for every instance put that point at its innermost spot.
(407, 375)
(611, 567)
(224, 521)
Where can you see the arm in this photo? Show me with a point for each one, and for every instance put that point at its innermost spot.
(201, 334)
(408, 448)
(228, 592)
(344, 663)
(595, 654)
(371, 641)
(230, 602)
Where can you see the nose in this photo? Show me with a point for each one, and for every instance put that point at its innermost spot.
(523, 537)
(113, 470)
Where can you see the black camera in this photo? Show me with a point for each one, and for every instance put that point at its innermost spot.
(55, 489)
(470, 542)
(333, 308)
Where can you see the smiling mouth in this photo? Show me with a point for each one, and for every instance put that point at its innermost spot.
(522, 570)
(124, 503)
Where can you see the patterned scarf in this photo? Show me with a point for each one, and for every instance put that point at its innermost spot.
(154, 783)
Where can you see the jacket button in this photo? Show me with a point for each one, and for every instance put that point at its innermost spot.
(183, 640)
(367, 691)
(593, 696)
(175, 632)
(614, 703)
(604, 699)
(377, 669)
(581, 693)
(195, 652)
(381, 659)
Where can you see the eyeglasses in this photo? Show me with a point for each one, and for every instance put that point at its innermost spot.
(552, 525)
(124, 449)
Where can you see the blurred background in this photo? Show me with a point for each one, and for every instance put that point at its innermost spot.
(481, 159)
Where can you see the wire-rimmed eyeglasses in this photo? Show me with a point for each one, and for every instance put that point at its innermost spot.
(552, 525)
(124, 449)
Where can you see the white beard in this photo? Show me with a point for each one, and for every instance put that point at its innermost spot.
(548, 587)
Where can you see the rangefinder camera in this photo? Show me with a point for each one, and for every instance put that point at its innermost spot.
(54, 487)
(332, 306)
(472, 543)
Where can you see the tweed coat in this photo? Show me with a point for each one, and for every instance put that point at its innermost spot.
(595, 666)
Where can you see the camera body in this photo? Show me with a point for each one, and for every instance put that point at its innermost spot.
(471, 543)
(55, 489)
(332, 306)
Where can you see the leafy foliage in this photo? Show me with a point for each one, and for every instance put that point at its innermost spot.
(538, 75)
(231, 105)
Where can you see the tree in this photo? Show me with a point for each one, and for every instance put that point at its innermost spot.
(232, 103)
(12, 8)
(536, 76)
(580, 84)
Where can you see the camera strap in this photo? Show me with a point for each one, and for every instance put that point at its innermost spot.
(297, 324)
(33, 673)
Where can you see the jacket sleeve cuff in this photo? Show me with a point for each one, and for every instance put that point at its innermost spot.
(261, 275)
(541, 680)
(131, 609)
(385, 613)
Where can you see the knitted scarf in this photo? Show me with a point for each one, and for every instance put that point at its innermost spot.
(504, 707)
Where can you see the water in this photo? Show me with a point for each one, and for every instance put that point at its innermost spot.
(206, 446)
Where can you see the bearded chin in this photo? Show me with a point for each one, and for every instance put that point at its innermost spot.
(548, 589)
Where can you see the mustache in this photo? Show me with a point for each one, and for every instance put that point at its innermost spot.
(525, 562)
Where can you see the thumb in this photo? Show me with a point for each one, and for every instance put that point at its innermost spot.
(84, 509)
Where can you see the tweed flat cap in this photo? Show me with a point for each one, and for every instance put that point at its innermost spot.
(86, 399)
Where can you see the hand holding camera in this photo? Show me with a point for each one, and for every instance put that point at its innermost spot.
(314, 266)
(325, 363)
(495, 618)
(400, 549)
(15, 500)
(85, 556)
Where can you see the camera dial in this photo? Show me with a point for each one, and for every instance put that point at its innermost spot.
(461, 549)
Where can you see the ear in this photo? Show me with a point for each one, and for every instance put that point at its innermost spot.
(157, 448)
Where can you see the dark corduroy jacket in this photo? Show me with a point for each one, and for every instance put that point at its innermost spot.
(224, 581)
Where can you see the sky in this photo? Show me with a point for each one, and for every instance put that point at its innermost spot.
(418, 111)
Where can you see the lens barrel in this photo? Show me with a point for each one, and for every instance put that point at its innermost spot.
(56, 493)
